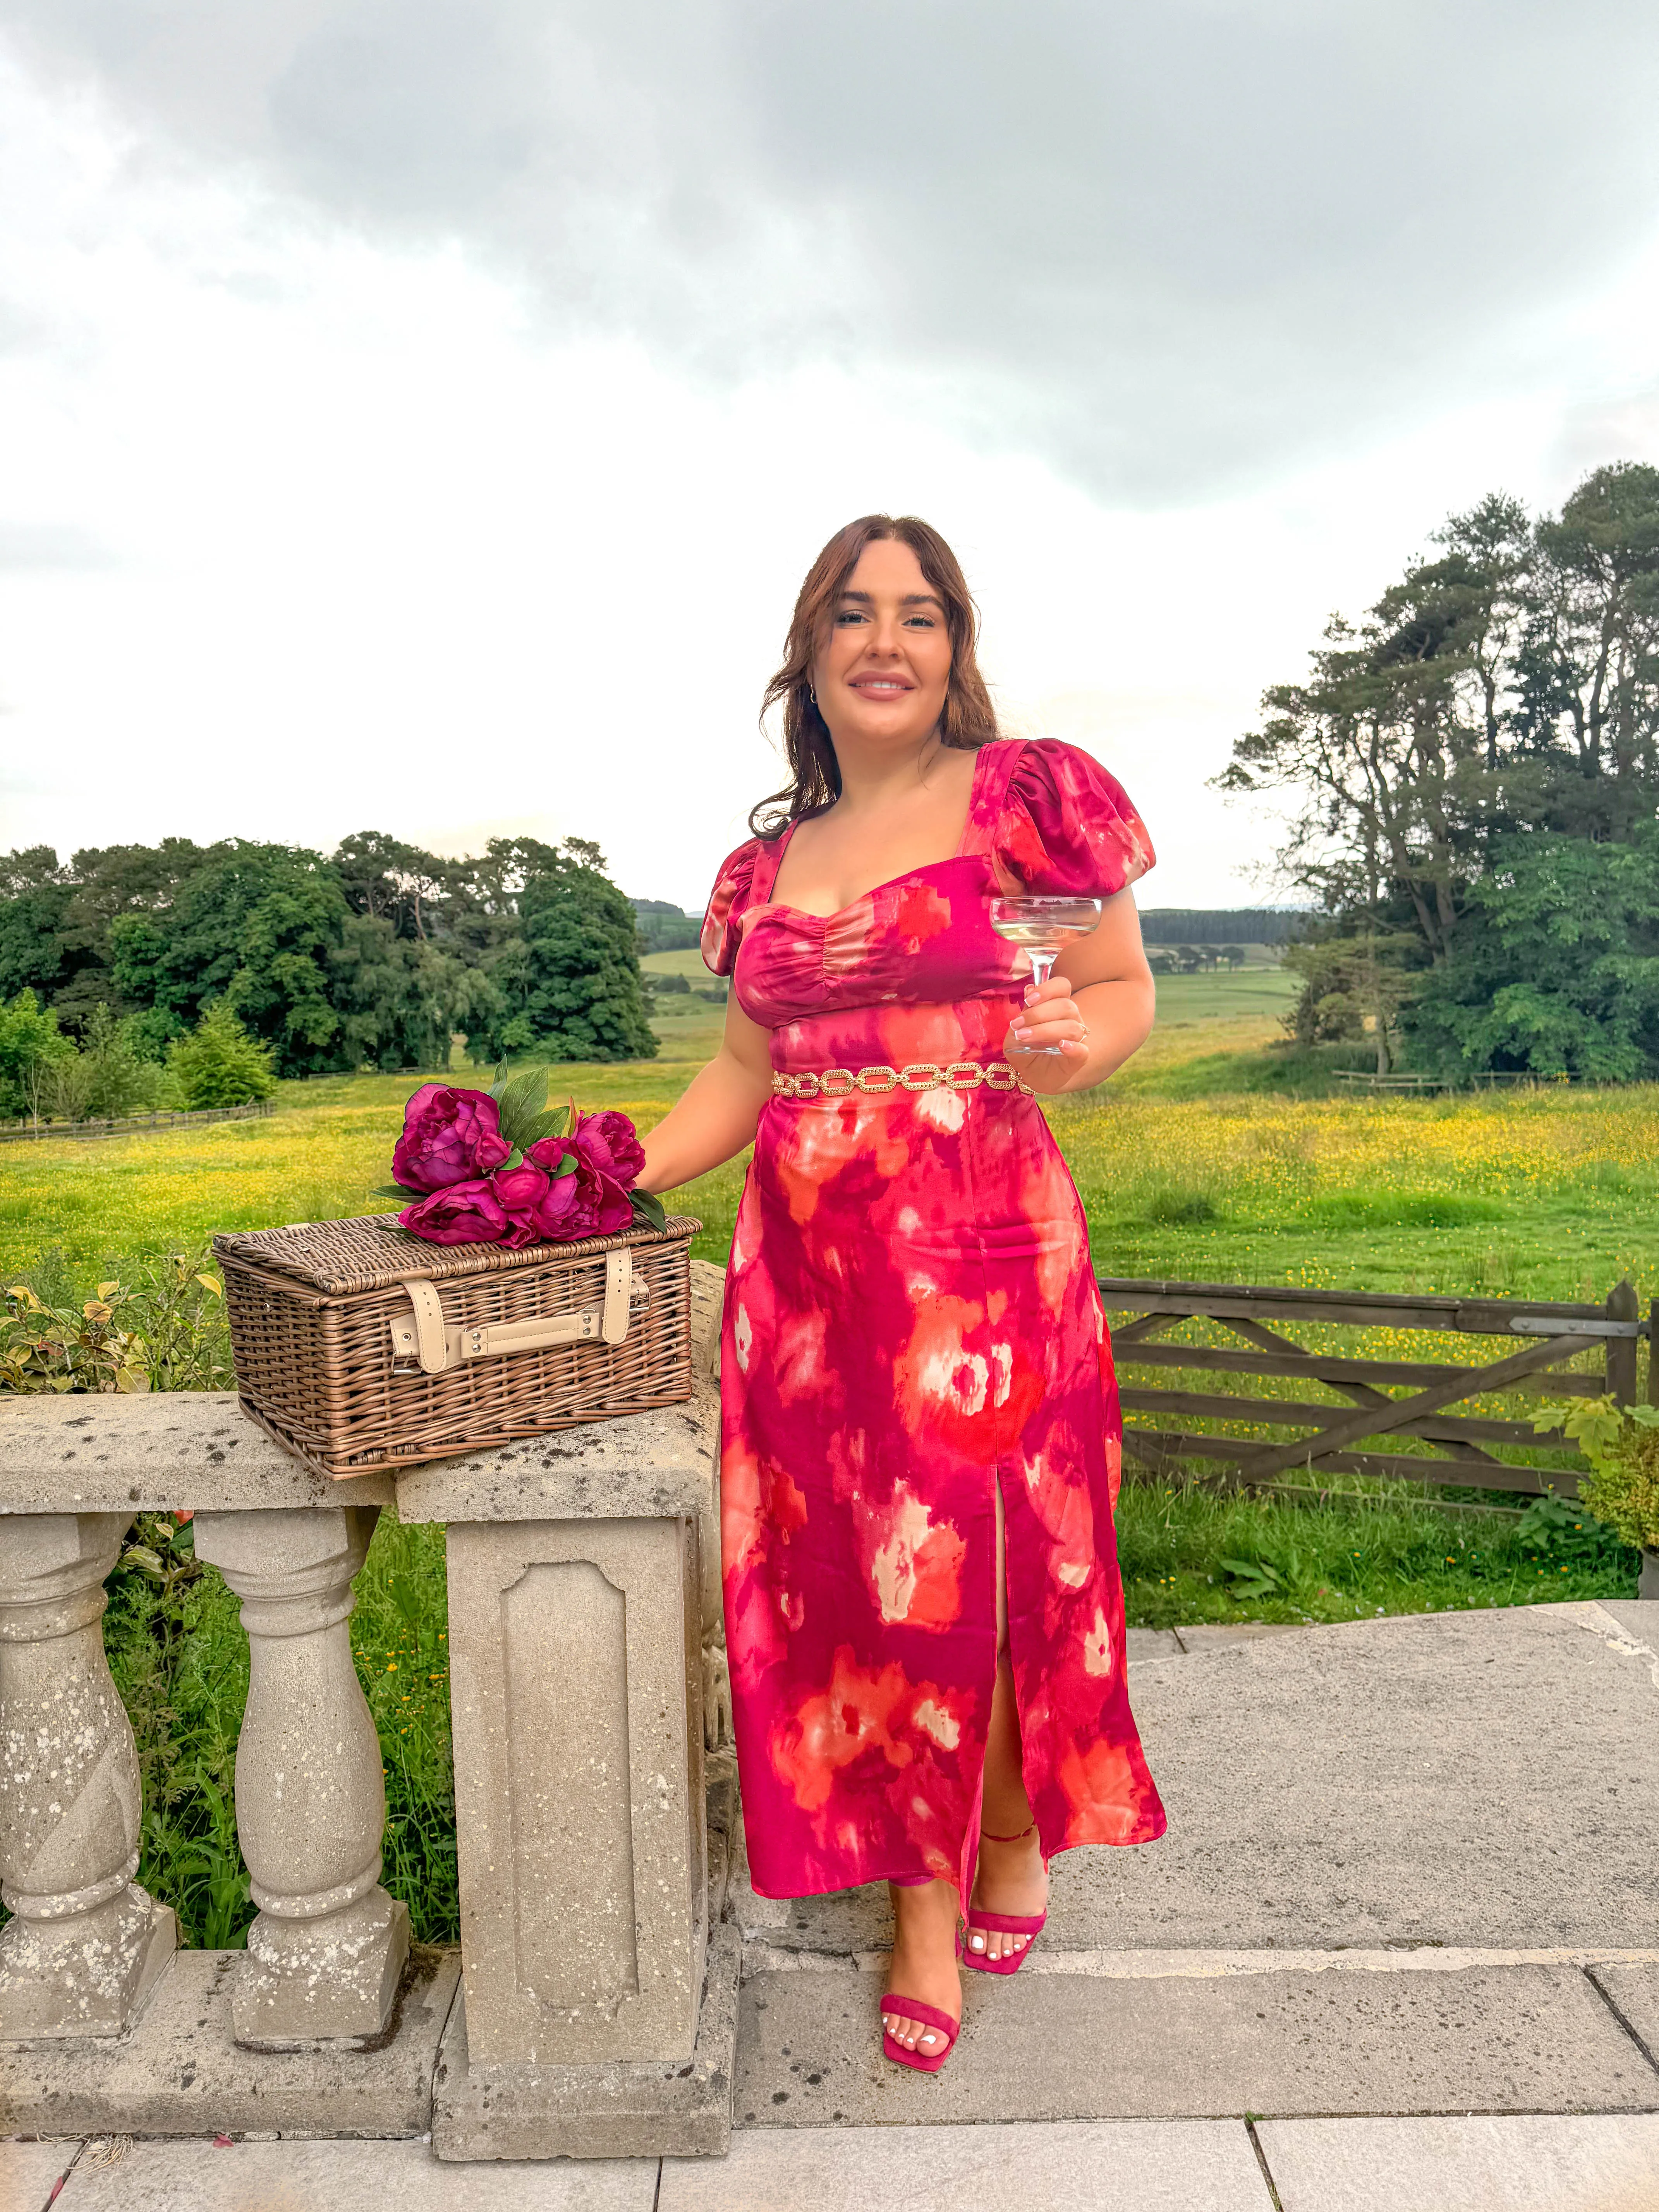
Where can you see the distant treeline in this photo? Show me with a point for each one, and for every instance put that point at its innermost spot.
(666, 929)
(1223, 925)
(370, 956)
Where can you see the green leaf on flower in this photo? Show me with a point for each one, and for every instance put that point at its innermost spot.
(649, 1209)
(521, 1103)
(567, 1166)
(554, 1123)
(498, 1081)
(514, 1158)
(395, 1190)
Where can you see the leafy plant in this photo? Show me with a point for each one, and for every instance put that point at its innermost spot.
(1621, 1443)
(167, 1332)
(526, 1117)
(1252, 1578)
(112, 1076)
(1568, 1534)
(31, 1047)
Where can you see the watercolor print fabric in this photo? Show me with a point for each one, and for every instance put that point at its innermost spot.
(911, 1323)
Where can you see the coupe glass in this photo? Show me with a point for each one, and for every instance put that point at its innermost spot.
(1041, 926)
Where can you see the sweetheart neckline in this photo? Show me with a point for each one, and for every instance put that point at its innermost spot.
(804, 913)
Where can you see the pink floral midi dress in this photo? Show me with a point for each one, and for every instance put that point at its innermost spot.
(911, 1318)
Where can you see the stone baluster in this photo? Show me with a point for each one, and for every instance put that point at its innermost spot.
(326, 1954)
(87, 1943)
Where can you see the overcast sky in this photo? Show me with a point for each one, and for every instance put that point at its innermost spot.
(419, 414)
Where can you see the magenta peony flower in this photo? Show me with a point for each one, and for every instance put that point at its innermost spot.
(597, 1200)
(520, 1192)
(568, 1211)
(449, 1136)
(613, 1208)
(610, 1143)
(461, 1214)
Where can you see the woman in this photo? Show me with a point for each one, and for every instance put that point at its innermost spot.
(919, 1429)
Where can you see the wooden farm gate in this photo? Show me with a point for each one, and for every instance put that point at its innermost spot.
(1388, 1400)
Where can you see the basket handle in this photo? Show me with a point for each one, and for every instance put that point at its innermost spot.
(424, 1335)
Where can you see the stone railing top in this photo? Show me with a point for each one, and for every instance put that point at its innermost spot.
(149, 1452)
(197, 1449)
(640, 1466)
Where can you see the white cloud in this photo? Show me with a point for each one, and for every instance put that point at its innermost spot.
(415, 488)
(1171, 246)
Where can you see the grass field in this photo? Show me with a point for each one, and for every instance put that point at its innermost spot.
(1547, 1192)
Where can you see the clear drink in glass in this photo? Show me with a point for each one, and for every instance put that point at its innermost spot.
(1041, 927)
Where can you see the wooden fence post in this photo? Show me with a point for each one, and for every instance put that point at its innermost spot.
(1621, 1350)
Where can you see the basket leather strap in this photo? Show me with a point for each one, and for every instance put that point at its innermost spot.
(430, 1345)
(438, 1347)
(618, 1284)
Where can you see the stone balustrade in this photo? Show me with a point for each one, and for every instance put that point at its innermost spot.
(592, 2009)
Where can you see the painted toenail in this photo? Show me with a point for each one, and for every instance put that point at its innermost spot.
(976, 1942)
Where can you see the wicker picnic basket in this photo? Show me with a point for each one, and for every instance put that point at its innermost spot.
(359, 1346)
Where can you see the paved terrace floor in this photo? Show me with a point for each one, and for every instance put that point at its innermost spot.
(1399, 1950)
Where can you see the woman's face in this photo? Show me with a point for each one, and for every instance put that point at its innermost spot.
(884, 665)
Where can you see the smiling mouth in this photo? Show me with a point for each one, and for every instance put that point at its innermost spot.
(887, 686)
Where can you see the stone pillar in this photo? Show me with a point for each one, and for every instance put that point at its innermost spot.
(327, 1950)
(87, 1943)
(576, 1683)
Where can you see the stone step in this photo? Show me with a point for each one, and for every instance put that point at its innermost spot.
(1286, 2040)
(1486, 2163)
(179, 2070)
(1474, 1779)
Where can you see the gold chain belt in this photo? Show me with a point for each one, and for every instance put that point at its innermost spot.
(920, 1075)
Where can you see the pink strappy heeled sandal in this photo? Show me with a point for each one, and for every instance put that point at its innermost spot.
(930, 2016)
(1029, 1924)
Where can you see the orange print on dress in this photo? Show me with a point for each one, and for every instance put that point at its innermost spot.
(1104, 1792)
(912, 1566)
(919, 913)
(855, 1715)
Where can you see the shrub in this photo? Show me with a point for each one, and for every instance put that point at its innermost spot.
(110, 1076)
(219, 1064)
(1621, 1443)
(165, 1331)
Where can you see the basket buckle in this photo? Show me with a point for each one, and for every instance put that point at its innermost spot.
(439, 1348)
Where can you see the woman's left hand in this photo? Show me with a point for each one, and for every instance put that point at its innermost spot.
(1050, 1016)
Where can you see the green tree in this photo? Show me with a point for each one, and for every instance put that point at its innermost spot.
(570, 987)
(1507, 687)
(118, 1078)
(390, 881)
(219, 1064)
(1588, 669)
(256, 925)
(35, 897)
(30, 1046)
(1556, 969)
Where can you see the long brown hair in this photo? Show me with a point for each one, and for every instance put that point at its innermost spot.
(968, 719)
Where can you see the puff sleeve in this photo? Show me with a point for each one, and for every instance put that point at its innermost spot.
(1068, 826)
(733, 888)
